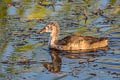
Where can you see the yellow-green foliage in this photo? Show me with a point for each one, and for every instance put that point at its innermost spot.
(2, 75)
(12, 70)
(2, 49)
(67, 8)
(14, 58)
(82, 29)
(112, 2)
(46, 3)
(24, 48)
(3, 11)
(7, 1)
(21, 11)
(28, 47)
(27, 0)
(39, 12)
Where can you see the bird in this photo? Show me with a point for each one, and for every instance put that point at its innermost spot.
(72, 42)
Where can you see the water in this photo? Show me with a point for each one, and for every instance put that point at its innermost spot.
(24, 54)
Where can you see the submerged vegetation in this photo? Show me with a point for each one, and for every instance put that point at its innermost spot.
(39, 12)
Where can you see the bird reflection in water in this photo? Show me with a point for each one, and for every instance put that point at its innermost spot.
(55, 65)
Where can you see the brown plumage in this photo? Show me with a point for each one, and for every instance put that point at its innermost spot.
(72, 42)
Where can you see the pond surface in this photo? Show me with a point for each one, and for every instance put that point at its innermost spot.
(24, 53)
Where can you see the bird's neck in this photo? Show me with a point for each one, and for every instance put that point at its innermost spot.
(53, 40)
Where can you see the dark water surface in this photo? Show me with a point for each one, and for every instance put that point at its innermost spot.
(24, 54)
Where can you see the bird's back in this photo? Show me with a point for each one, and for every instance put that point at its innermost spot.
(76, 42)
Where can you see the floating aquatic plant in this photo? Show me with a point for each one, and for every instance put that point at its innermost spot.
(39, 12)
(28, 47)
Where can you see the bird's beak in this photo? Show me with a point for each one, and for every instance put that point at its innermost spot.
(43, 31)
